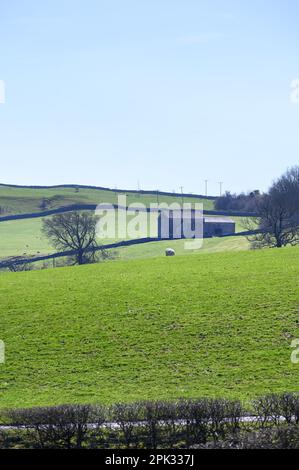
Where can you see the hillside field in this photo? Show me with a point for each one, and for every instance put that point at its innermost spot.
(24, 238)
(18, 200)
(217, 324)
(157, 249)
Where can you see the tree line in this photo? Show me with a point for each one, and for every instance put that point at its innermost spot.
(276, 211)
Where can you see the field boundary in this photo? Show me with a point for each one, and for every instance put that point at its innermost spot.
(92, 207)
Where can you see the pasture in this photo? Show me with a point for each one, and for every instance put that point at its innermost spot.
(215, 325)
(24, 237)
(18, 200)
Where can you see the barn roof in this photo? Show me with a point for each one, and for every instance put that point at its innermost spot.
(218, 220)
(207, 220)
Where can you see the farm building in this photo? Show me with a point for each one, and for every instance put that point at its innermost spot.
(218, 226)
(174, 225)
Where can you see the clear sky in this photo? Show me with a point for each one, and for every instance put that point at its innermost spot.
(167, 92)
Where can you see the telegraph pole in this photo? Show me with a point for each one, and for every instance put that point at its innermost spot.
(182, 192)
(220, 187)
(138, 188)
(206, 187)
(158, 196)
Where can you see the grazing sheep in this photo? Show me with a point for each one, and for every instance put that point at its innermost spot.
(169, 252)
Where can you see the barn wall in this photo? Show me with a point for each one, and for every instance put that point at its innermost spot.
(210, 229)
(218, 229)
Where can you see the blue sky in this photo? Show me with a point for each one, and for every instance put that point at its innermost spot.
(167, 92)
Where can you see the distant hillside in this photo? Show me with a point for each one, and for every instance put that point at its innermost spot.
(26, 199)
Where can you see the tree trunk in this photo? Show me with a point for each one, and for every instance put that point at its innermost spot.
(278, 242)
(80, 256)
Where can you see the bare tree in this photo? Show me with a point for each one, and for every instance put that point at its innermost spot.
(278, 213)
(287, 189)
(73, 231)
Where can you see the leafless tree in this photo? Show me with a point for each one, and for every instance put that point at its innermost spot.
(278, 213)
(73, 231)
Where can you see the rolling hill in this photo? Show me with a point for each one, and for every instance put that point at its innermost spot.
(25, 199)
(23, 237)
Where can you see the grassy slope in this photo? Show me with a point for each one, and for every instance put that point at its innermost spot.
(214, 325)
(20, 200)
(24, 236)
(157, 249)
(18, 237)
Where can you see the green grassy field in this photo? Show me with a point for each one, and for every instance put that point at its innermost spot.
(215, 324)
(157, 249)
(21, 200)
(24, 237)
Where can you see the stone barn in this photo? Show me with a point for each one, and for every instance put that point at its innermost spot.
(172, 225)
(218, 227)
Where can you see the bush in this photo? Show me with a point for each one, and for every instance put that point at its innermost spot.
(238, 202)
(266, 438)
(63, 426)
(277, 408)
(127, 416)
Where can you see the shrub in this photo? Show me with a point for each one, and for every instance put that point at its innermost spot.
(63, 426)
